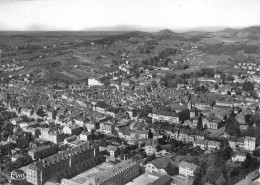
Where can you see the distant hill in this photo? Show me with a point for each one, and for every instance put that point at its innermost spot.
(166, 32)
(253, 29)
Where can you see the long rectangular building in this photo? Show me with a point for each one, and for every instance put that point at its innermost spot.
(120, 174)
(39, 172)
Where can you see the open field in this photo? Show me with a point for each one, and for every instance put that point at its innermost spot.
(79, 55)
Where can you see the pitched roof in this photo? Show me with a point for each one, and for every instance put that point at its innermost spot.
(246, 181)
(162, 163)
(164, 180)
(56, 158)
(185, 164)
(124, 165)
(111, 148)
(213, 143)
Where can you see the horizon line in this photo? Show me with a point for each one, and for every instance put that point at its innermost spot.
(136, 28)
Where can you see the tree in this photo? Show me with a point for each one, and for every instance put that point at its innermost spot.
(199, 125)
(256, 152)
(248, 86)
(20, 162)
(158, 148)
(256, 118)
(153, 84)
(247, 118)
(106, 82)
(9, 166)
(228, 93)
(27, 159)
(250, 163)
(150, 135)
(231, 127)
(213, 173)
(184, 115)
(205, 127)
(238, 92)
(171, 169)
(149, 158)
(227, 153)
(221, 180)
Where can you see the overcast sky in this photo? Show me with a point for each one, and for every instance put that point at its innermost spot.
(81, 15)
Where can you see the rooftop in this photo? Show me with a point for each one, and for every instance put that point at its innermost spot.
(116, 169)
(91, 172)
(191, 166)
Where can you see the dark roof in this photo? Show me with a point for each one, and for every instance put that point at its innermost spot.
(164, 180)
(162, 163)
(57, 158)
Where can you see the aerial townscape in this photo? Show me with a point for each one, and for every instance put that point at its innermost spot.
(134, 108)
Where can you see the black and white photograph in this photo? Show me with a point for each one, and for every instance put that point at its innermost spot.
(129, 92)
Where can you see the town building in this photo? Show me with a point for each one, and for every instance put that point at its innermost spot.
(21, 139)
(250, 143)
(39, 172)
(43, 151)
(6, 147)
(150, 147)
(53, 135)
(163, 165)
(211, 122)
(86, 136)
(72, 130)
(120, 174)
(213, 145)
(203, 144)
(187, 169)
(171, 117)
(94, 82)
(107, 127)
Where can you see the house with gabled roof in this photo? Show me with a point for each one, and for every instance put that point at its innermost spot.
(250, 143)
(212, 122)
(184, 134)
(113, 151)
(212, 145)
(80, 121)
(203, 144)
(169, 116)
(163, 165)
(150, 146)
(107, 127)
(187, 169)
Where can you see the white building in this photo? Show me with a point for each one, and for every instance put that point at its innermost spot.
(249, 143)
(187, 169)
(171, 117)
(94, 82)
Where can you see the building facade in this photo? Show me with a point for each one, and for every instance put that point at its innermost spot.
(107, 127)
(39, 172)
(120, 174)
(187, 169)
(52, 135)
(43, 151)
(249, 143)
(170, 117)
(5, 148)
